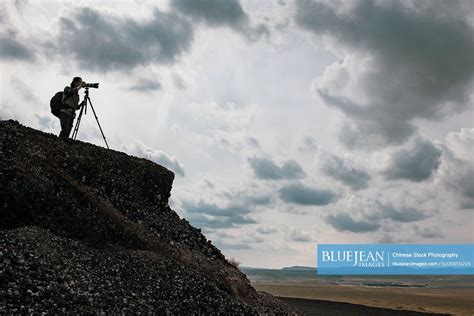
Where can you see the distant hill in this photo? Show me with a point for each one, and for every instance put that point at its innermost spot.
(293, 274)
(86, 230)
(299, 268)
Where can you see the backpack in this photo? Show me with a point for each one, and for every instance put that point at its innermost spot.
(57, 103)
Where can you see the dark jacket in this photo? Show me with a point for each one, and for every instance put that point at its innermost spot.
(70, 100)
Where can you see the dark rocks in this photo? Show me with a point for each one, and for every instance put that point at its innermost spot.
(89, 230)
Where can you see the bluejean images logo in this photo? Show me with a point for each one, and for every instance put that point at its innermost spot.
(356, 258)
(395, 258)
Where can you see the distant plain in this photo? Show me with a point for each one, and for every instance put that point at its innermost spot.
(445, 294)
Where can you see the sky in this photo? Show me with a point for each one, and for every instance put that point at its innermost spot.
(287, 123)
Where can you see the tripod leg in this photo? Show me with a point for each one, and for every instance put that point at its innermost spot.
(78, 122)
(97, 119)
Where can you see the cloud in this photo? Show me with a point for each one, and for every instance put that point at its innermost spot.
(214, 13)
(210, 215)
(360, 214)
(296, 234)
(428, 232)
(156, 155)
(20, 4)
(178, 82)
(266, 230)
(403, 214)
(224, 209)
(265, 168)
(208, 183)
(101, 40)
(24, 91)
(145, 85)
(400, 61)
(307, 144)
(233, 246)
(116, 43)
(223, 121)
(252, 141)
(11, 48)
(462, 181)
(456, 172)
(253, 239)
(244, 197)
(415, 164)
(44, 121)
(344, 222)
(260, 199)
(300, 194)
(462, 143)
(343, 171)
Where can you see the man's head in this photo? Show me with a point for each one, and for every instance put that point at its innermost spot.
(76, 82)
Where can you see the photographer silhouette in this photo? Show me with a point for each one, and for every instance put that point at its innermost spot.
(70, 101)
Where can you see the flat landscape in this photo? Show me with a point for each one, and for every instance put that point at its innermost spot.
(423, 294)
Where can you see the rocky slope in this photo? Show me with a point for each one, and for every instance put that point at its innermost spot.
(88, 230)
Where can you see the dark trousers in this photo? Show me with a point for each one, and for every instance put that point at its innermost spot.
(66, 124)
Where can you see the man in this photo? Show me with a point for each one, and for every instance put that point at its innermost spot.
(71, 104)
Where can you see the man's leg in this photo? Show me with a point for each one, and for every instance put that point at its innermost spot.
(66, 125)
(71, 120)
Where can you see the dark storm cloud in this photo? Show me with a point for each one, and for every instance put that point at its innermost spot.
(344, 222)
(105, 42)
(11, 48)
(416, 164)
(205, 214)
(220, 13)
(421, 63)
(146, 85)
(338, 169)
(300, 194)
(265, 168)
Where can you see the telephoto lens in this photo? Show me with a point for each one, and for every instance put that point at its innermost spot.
(91, 85)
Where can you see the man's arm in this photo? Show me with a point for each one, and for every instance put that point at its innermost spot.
(68, 91)
(81, 104)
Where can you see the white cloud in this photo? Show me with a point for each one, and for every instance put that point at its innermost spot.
(457, 174)
(298, 235)
(156, 155)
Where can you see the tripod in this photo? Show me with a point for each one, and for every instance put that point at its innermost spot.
(84, 110)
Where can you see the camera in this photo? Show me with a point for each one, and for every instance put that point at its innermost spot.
(90, 85)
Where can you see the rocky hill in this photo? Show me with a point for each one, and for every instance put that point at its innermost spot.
(84, 229)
